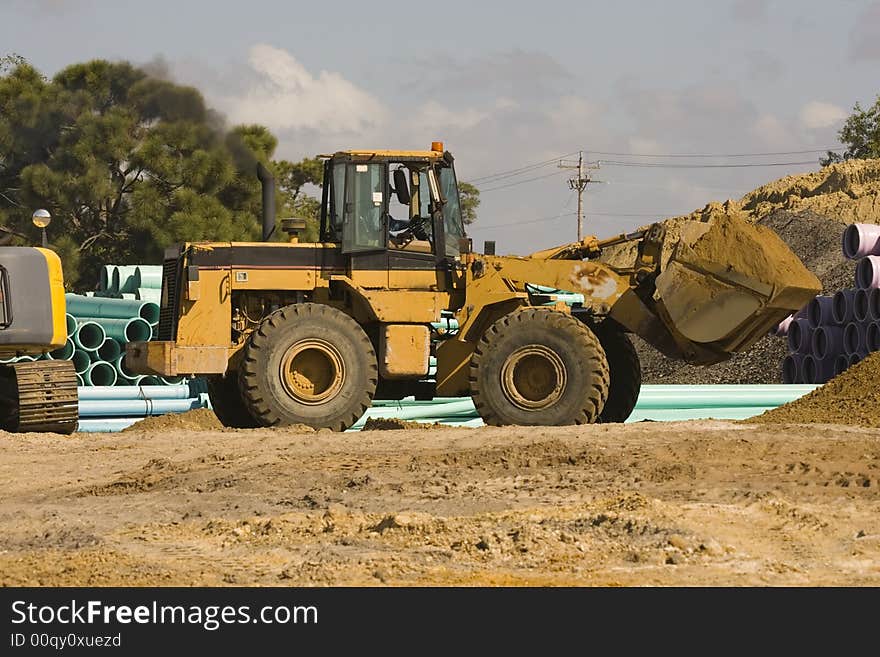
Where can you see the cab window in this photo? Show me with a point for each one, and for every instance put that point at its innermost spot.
(364, 225)
(451, 210)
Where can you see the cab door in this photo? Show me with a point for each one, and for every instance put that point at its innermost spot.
(364, 227)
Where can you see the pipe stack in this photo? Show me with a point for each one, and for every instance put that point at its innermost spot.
(834, 332)
(131, 282)
(113, 408)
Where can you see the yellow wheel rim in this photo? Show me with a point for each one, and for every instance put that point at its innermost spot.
(533, 377)
(312, 371)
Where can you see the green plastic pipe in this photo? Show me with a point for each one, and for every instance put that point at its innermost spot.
(100, 373)
(150, 380)
(63, 353)
(123, 371)
(123, 278)
(110, 350)
(149, 294)
(89, 335)
(148, 276)
(105, 278)
(105, 308)
(171, 380)
(79, 381)
(124, 330)
(81, 361)
(71, 324)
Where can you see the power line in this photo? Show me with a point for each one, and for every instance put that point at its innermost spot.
(522, 223)
(523, 169)
(520, 182)
(571, 214)
(777, 153)
(667, 165)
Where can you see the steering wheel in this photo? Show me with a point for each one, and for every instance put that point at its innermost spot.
(415, 230)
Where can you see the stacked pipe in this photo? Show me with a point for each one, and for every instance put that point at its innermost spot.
(133, 282)
(113, 408)
(662, 403)
(834, 332)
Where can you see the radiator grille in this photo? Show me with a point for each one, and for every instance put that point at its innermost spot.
(170, 301)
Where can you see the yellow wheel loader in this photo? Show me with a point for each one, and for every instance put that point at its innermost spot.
(311, 333)
(35, 395)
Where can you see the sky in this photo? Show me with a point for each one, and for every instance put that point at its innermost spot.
(510, 88)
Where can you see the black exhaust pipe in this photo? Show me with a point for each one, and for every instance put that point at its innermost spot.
(267, 180)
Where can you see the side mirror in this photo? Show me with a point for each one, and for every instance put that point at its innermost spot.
(400, 186)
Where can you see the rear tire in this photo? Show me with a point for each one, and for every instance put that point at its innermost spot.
(626, 374)
(227, 403)
(308, 364)
(539, 367)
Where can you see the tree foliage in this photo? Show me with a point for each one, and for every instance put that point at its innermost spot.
(129, 164)
(860, 134)
(470, 201)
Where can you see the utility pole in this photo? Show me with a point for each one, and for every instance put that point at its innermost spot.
(579, 184)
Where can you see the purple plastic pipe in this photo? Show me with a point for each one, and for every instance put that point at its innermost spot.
(817, 371)
(792, 368)
(868, 272)
(840, 364)
(861, 302)
(799, 336)
(842, 307)
(872, 336)
(855, 358)
(820, 311)
(854, 338)
(827, 342)
(860, 240)
(874, 304)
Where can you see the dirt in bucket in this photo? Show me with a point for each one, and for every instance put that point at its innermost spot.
(850, 398)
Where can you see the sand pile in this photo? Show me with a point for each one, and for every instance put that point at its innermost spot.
(200, 419)
(851, 398)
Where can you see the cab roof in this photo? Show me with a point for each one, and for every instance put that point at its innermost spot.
(388, 155)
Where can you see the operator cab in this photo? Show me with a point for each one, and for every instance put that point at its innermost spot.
(402, 203)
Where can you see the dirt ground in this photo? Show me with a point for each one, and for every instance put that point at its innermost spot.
(698, 503)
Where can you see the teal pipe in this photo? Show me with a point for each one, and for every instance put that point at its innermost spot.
(112, 308)
(123, 330)
(80, 383)
(171, 380)
(105, 278)
(106, 424)
(151, 381)
(63, 353)
(123, 278)
(110, 350)
(137, 392)
(89, 335)
(100, 373)
(148, 276)
(149, 294)
(71, 324)
(81, 361)
(136, 407)
(122, 370)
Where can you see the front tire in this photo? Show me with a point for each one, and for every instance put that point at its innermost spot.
(308, 364)
(539, 367)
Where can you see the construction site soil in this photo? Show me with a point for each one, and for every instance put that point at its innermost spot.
(809, 212)
(697, 503)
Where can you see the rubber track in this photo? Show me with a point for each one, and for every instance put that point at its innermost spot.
(47, 397)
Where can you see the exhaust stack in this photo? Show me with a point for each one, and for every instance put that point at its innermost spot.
(267, 180)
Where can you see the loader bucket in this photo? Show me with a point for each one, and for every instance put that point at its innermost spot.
(727, 282)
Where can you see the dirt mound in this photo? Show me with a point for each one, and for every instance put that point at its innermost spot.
(809, 212)
(851, 398)
(200, 419)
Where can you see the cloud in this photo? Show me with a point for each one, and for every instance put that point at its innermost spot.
(772, 131)
(433, 115)
(865, 36)
(573, 110)
(817, 114)
(749, 11)
(286, 96)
